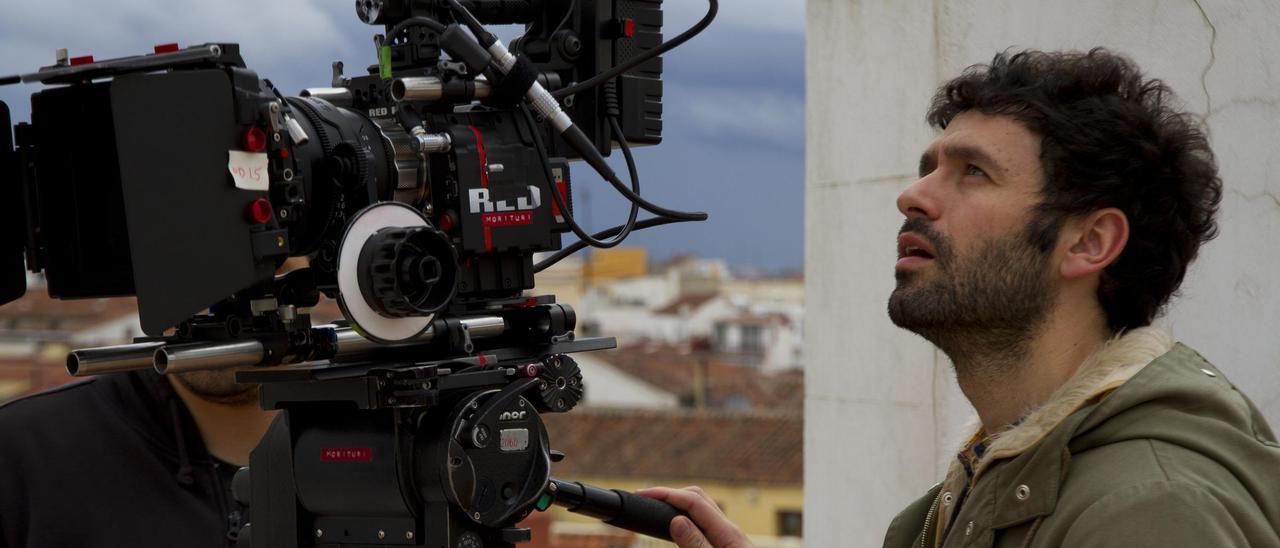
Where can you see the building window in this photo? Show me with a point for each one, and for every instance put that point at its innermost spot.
(752, 338)
(737, 402)
(720, 339)
(790, 524)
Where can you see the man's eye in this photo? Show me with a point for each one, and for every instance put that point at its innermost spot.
(974, 170)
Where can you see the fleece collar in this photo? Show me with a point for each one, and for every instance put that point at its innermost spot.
(1107, 369)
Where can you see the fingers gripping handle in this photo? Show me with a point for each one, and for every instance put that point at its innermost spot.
(616, 507)
(644, 515)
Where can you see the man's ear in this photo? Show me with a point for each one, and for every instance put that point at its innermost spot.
(1095, 241)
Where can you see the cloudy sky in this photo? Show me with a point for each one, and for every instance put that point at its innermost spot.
(734, 100)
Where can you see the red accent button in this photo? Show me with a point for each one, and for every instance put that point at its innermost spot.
(260, 211)
(254, 139)
(563, 188)
(82, 60)
(629, 28)
(167, 48)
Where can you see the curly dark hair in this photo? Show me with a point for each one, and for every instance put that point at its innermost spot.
(1109, 138)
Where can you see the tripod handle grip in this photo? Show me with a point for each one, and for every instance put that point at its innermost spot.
(616, 507)
(644, 515)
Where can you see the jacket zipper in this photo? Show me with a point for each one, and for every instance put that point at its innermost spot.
(233, 532)
(928, 519)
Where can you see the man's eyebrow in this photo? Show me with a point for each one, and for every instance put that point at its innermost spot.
(928, 161)
(972, 154)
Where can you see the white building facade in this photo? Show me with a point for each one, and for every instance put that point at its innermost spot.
(882, 411)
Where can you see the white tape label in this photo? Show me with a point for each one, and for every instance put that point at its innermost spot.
(249, 169)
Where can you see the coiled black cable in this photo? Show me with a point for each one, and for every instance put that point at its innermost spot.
(581, 244)
(582, 235)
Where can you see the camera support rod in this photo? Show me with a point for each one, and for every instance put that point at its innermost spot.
(73, 72)
(250, 352)
(180, 358)
(350, 343)
(111, 359)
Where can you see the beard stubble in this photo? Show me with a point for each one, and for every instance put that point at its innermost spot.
(218, 387)
(982, 308)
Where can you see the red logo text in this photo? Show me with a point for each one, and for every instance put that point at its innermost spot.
(507, 219)
(346, 454)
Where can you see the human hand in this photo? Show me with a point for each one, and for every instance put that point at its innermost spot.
(709, 528)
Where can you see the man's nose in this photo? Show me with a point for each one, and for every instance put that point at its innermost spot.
(918, 200)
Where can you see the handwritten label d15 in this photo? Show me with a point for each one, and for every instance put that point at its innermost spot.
(249, 169)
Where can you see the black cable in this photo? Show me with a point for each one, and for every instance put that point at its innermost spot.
(573, 6)
(574, 136)
(617, 233)
(713, 6)
(580, 244)
(631, 170)
(559, 200)
(485, 37)
(415, 20)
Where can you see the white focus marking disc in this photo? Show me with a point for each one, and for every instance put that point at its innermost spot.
(367, 321)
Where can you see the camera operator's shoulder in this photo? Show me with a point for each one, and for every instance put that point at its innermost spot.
(53, 399)
(58, 411)
(89, 417)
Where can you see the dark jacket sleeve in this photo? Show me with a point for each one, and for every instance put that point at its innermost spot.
(1165, 513)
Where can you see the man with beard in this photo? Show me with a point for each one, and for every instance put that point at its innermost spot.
(1054, 217)
(135, 459)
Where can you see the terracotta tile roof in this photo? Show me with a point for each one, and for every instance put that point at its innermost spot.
(757, 319)
(679, 446)
(19, 377)
(37, 311)
(82, 313)
(728, 383)
(692, 301)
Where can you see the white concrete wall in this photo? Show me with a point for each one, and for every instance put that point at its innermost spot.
(882, 410)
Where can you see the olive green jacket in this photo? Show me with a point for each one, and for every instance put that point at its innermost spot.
(1165, 454)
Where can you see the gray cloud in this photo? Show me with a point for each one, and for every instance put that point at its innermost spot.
(762, 115)
(121, 27)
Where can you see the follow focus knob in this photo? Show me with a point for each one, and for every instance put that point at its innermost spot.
(409, 271)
